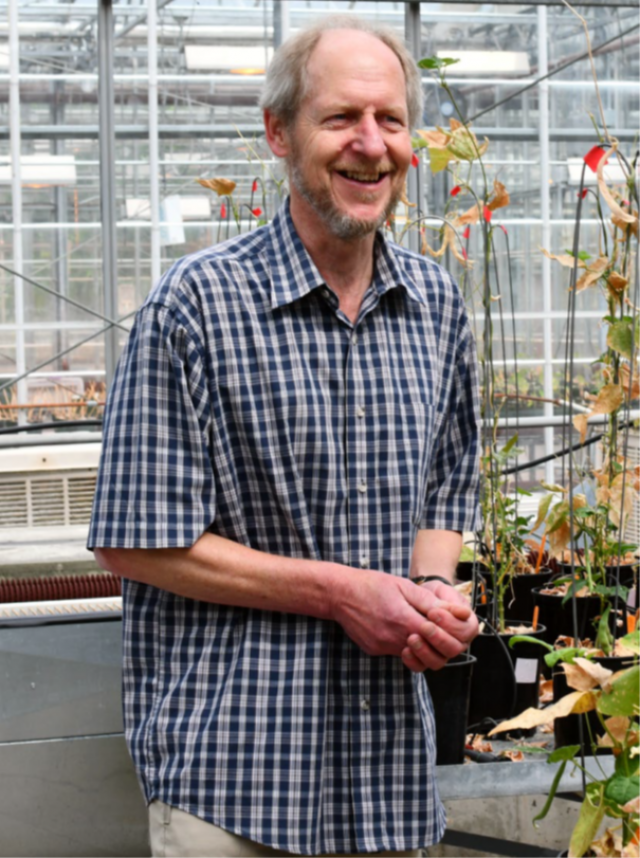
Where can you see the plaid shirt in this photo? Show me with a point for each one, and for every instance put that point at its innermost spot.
(247, 404)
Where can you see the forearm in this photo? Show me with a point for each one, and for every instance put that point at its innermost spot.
(219, 570)
(436, 552)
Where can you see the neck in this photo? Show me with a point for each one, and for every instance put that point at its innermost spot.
(345, 266)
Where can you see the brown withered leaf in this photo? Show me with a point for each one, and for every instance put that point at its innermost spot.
(617, 730)
(593, 273)
(222, 187)
(617, 282)
(514, 756)
(563, 258)
(619, 212)
(630, 385)
(633, 806)
(437, 139)
(471, 216)
(620, 510)
(583, 675)
(607, 846)
(624, 225)
(450, 241)
(500, 197)
(545, 694)
(576, 702)
(581, 424)
(609, 399)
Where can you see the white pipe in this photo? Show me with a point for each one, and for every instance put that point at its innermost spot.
(545, 214)
(16, 202)
(154, 156)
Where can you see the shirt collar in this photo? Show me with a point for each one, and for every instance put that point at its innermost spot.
(294, 274)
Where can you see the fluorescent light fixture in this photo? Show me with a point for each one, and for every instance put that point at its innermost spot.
(476, 63)
(41, 170)
(4, 55)
(612, 172)
(191, 208)
(225, 58)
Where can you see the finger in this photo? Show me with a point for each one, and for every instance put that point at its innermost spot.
(461, 629)
(409, 660)
(438, 639)
(456, 609)
(433, 655)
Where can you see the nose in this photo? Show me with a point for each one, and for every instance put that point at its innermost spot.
(369, 140)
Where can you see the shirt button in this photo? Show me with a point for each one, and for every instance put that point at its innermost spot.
(362, 487)
(360, 411)
(354, 340)
(365, 704)
(364, 562)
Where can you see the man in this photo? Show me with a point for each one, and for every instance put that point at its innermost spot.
(290, 437)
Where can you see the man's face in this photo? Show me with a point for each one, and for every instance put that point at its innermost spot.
(350, 146)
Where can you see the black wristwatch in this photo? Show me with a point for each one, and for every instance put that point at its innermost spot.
(424, 579)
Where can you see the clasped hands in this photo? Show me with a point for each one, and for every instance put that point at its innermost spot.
(424, 625)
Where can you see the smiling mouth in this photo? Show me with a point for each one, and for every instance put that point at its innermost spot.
(365, 178)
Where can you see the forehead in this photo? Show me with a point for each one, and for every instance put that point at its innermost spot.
(346, 64)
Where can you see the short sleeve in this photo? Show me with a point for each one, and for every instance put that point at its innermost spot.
(155, 484)
(453, 484)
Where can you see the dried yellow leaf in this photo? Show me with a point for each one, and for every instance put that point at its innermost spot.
(222, 187)
(500, 196)
(581, 422)
(619, 212)
(593, 273)
(574, 703)
(583, 675)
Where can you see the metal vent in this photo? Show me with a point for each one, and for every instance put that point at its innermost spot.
(55, 499)
(14, 505)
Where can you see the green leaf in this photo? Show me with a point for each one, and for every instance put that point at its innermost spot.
(566, 753)
(552, 792)
(632, 641)
(552, 487)
(620, 338)
(567, 654)
(523, 492)
(620, 789)
(543, 509)
(436, 63)
(418, 143)
(591, 815)
(511, 443)
(528, 639)
(582, 255)
(622, 699)
(604, 638)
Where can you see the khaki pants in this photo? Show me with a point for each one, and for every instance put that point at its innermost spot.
(176, 834)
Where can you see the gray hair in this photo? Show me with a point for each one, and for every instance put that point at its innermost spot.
(287, 81)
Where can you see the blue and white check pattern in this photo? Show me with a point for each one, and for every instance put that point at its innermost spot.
(247, 404)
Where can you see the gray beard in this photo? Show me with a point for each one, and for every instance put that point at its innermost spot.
(341, 225)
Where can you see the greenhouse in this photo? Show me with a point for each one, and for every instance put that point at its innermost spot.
(319, 427)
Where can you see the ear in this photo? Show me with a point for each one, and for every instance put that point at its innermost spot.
(276, 134)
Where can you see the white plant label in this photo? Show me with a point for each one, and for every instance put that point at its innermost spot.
(526, 670)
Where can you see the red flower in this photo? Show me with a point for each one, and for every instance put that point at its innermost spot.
(467, 232)
(487, 213)
(504, 229)
(254, 186)
(223, 211)
(455, 191)
(256, 212)
(583, 194)
(464, 254)
(593, 156)
(414, 160)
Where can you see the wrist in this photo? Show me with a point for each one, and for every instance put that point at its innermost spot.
(425, 579)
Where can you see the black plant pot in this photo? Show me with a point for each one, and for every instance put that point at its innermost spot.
(519, 596)
(566, 730)
(450, 689)
(466, 568)
(505, 679)
(558, 617)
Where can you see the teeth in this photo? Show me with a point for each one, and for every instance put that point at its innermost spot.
(362, 177)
